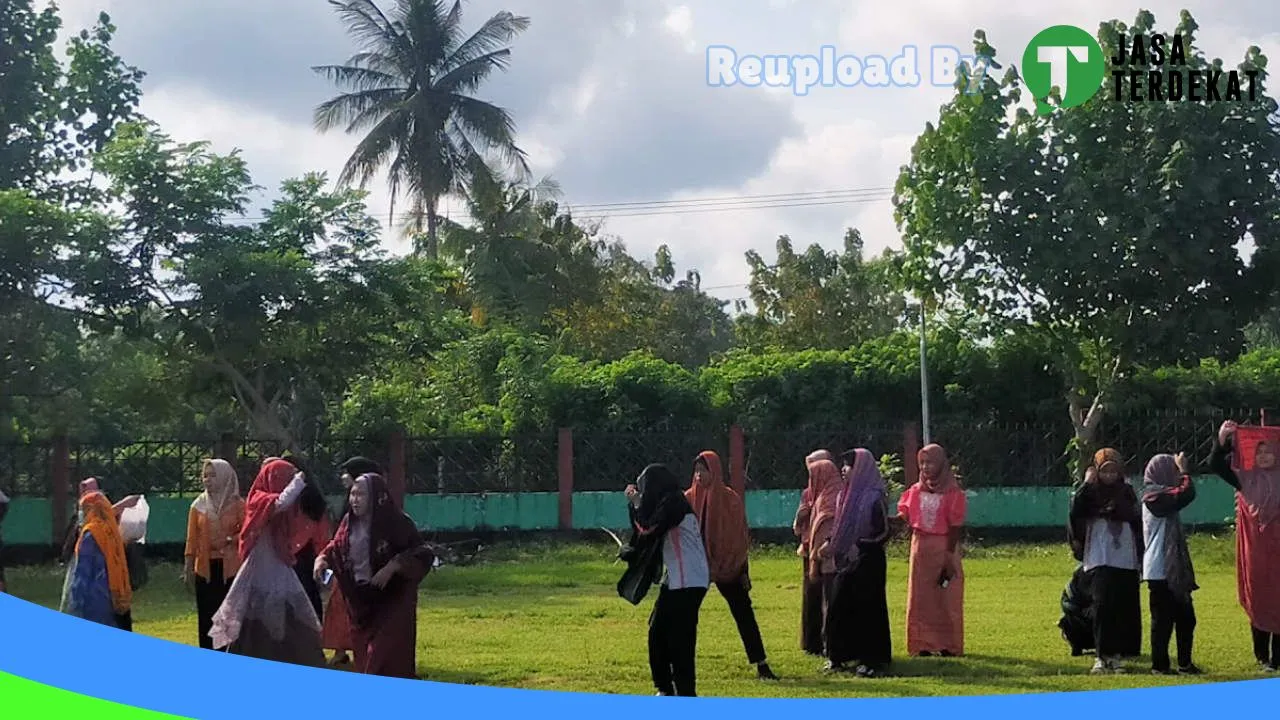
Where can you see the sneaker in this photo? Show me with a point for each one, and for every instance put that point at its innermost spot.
(831, 667)
(1269, 668)
(1100, 667)
(764, 672)
(866, 671)
(1190, 670)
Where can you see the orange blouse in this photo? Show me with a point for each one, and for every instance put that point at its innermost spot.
(204, 549)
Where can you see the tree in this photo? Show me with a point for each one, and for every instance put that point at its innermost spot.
(822, 300)
(53, 117)
(518, 254)
(1108, 230)
(277, 315)
(411, 89)
(640, 307)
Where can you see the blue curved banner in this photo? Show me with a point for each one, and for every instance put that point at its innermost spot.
(95, 661)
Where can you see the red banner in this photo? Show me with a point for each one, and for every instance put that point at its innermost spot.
(1246, 444)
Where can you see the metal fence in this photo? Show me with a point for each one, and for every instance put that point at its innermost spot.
(987, 453)
(608, 461)
(520, 463)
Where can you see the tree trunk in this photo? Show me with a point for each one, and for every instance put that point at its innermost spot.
(1084, 422)
(264, 417)
(431, 244)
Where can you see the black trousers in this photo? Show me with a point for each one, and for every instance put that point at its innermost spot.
(124, 621)
(1117, 618)
(1266, 647)
(810, 613)
(673, 640)
(209, 596)
(304, 568)
(744, 615)
(1170, 613)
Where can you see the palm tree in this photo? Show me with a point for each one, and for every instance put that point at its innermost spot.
(410, 90)
(504, 253)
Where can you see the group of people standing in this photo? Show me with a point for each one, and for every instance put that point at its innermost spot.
(843, 523)
(1122, 539)
(685, 540)
(256, 564)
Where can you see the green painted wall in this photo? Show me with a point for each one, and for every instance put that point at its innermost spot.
(29, 523)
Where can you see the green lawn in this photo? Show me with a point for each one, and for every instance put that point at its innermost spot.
(547, 617)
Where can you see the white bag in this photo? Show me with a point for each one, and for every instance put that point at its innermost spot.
(133, 522)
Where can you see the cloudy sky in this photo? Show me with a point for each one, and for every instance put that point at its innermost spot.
(611, 99)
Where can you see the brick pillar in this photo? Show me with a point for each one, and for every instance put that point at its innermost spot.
(564, 472)
(397, 466)
(737, 460)
(910, 448)
(59, 486)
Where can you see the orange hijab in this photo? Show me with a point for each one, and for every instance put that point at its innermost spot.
(723, 520)
(100, 522)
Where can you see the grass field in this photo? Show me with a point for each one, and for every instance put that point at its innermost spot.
(547, 617)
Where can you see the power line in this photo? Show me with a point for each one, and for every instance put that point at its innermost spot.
(773, 201)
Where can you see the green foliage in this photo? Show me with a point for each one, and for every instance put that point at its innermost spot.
(1107, 231)
(54, 116)
(822, 300)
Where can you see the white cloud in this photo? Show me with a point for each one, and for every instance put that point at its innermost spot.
(609, 95)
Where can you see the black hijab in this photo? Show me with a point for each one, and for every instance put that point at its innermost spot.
(662, 508)
(662, 501)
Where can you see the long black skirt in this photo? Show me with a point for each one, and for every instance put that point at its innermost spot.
(810, 613)
(1117, 612)
(304, 568)
(857, 622)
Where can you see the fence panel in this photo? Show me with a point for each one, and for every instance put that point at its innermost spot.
(521, 463)
(161, 467)
(24, 469)
(608, 461)
(775, 460)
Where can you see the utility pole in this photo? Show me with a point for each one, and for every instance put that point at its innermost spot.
(924, 379)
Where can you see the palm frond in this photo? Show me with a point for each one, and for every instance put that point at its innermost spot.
(373, 151)
(366, 22)
(489, 127)
(357, 111)
(466, 78)
(496, 32)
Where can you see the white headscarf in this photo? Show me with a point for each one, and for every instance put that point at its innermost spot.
(224, 488)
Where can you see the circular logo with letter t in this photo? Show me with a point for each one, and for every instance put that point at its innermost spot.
(1065, 57)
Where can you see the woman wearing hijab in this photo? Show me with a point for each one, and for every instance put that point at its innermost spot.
(213, 531)
(379, 559)
(811, 591)
(857, 628)
(98, 587)
(1257, 540)
(827, 486)
(267, 613)
(1106, 536)
(667, 541)
(1166, 564)
(722, 519)
(72, 535)
(337, 624)
(935, 508)
(315, 510)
